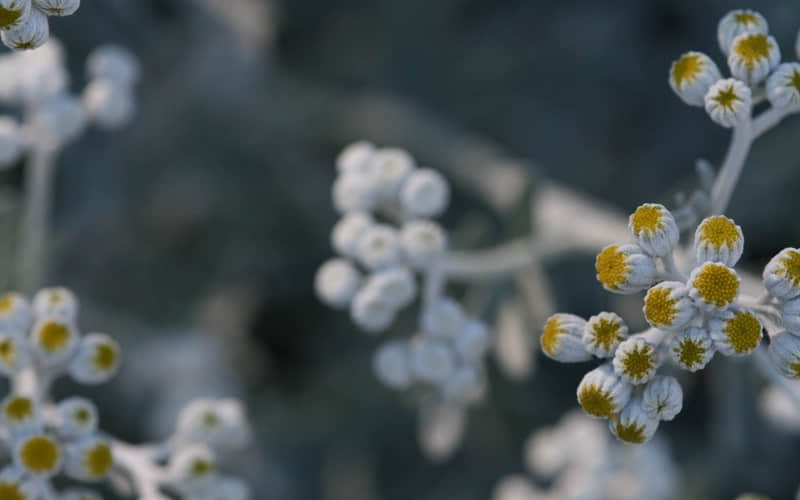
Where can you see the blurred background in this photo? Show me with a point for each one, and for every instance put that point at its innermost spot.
(193, 235)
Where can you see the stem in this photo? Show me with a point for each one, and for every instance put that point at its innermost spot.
(145, 475)
(671, 269)
(765, 367)
(498, 261)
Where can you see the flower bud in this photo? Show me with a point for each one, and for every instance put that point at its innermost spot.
(108, 104)
(337, 281)
(692, 349)
(354, 157)
(473, 341)
(783, 86)
(52, 342)
(784, 350)
(31, 32)
(636, 360)
(76, 417)
(728, 102)
(603, 333)
(465, 386)
(372, 312)
(667, 306)
(654, 229)
(392, 365)
(735, 331)
(39, 455)
(56, 302)
(753, 56)
(782, 274)
(393, 167)
(379, 247)
(89, 459)
(625, 269)
(433, 360)
(602, 393)
(396, 285)
(348, 231)
(443, 318)
(718, 239)
(220, 423)
(736, 22)
(633, 424)
(713, 286)
(113, 63)
(14, 13)
(57, 7)
(562, 338)
(423, 242)
(691, 76)
(192, 468)
(354, 192)
(424, 194)
(97, 360)
(662, 398)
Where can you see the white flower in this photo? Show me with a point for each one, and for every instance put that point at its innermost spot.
(718, 239)
(473, 341)
(654, 229)
(220, 423)
(634, 424)
(393, 167)
(57, 7)
(790, 312)
(348, 231)
(353, 192)
(667, 306)
(783, 86)
(11, 142)
(97, 360)
(782, 274)
(337, 281)
(379, 247)
(395, 285)
(735, 331)
(728, 102)
(636, 360)
(423, 242)
(38, 454)
(603, 333)
(663, 398)
(192, 468)
(355, 157)
(625, 269)
(372, 312)
(14, 482)
(443, 318)
(89, 458)
(114, 63)
(692, 349)
(691, 76)
(753, 56)
(76, 417)
(392, 365)
(433, 360)
(562, 338)
(424, 194)
(52, 342)
(20, 414)
(713, 286)
(31, 33)
(13, 13)
(602, 393)
(736, 22)
(14, 354)
(55, 302)
(108, 104)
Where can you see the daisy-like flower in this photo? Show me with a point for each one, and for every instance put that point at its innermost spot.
(728, 102)
(636, 360)
(654, 229)
(337, 282)
(602, 393)
(39, 455)
(20, 413)
(625, 269)
(782, 274)
(392, 166)
(667, 306)
(713, 286)
(603, 333)
(97, 359)
(663, 398)
(634, 424)
(192, 467)
(31, 33)
(220, 423)
(718, 239)
(379, 247)
(790, 312)
(735, 331)
(53, 341)
(753, 56)
(691, 76)
(13, 13)
(89, 459)
(784, 350)
(692, 349)
(76, 417)
(736, 22)
(562, 338)
(783, 86)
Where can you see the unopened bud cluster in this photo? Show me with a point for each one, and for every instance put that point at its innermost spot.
(24, 24)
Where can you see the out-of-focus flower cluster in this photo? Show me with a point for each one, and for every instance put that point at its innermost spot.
(579, 462)
(24, 24)
(49, 117)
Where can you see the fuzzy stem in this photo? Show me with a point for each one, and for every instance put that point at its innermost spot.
(144, 473)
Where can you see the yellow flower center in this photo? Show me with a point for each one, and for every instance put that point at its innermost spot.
(752, 49)
(794, 82)
(791, 267)
(18, 409)
(647, 218)
(6, 304)
(40, 454)
(612, 268)
(211, 420)
(8, 353)
(716, 284)
(82, 416)
(659, 307)
(98, 460)
(631, 433)
(745, 18)
(690, 353)
(686, 68)
(795, 367)
(53, 336)
(639, 362)
(726, 98)
(105, 357)
(11, 491)
(606, 333)
(9, 16)
(597, 402)
(743, 332)
(201, 468)
(552, 330)
(719, 231)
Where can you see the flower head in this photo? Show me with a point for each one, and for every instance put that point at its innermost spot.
(20, 413)
(379, 247)
(392, 166)
(654, 229)
(13, 13)
(562, 338)
(443, 318)
(337, 282)
(113, 63)
(219, 423)
(89, 459)
(736, 22)
(473, 341)
(636, 360)
(57, 7)
(713, 286)
(25, 32)
(718, 239)
(53, 341)
(753, 56)
(783, 86)
(691, 76)
(633, 424)
(392, 364)
(603, 333)
(38, 454)
(662, 398)
(602, 393)
(784, 350)
(108, 104)
(97, 360)
(667, 306)
(14, 485)
(192, 467)
(625, 269)
(423, 242)
(372, 311)
(425, 193)
(735, 331)
(55, 302)
(782, 274)
(692, 349)
(348, 231)
(728, 102)
(355, 157)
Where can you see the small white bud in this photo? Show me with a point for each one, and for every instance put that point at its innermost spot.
(192, 468)
(633, 424)
(396, 285)
(718, 239)
(783, 86)
(433, 360)
(89, 458)
(337, 281)
(736, 22)
(636, 360)
(114, 63)
(220, 423)
(31, 33)
(97, 360)
(354, 192)
(14, 481)
(692, 349)
(782, 274)
(667, 306)
(39, 455)
(790, 312)
(11, 142)
(14, 354)
(753, 56)
(735, 331)
(603, 333)
(663, 398)
(355, 157)
(20, 414)
(392, 365)
(425, 193)
(713, 286)
(379, 247)
(15, 313)
(562, 338)
(473, 341)
(14, 13)
(57, 7)
(784, 350)
(57, 303)
(691, 76)
(76, 417)
(108, 104)
(392, 167)
(728, 102)
(602, 393)
(654, 229)
(423, 242)
(625, 269)
(372, 312)
(52, 342)
(348, 231)
(443, 318)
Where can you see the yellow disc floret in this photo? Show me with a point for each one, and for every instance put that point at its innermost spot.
(39, 454)
(18, 409)
(715, 284)
(690, 352)
(631, 433)
(595, 401)
(743, 332)
(606, 333)
(719, 231)
(638, 362)
(647, 218)
(105, 357)
(98, 460)
(11, 491)
(550, 336)
(612, 267)
(659, 307)
(687, 68)
(752, 49)
(53, 336)
(9, 16)
(791, 266)
(8, 351)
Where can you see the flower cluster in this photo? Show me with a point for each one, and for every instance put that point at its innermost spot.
(691, 318)
(24, 23)
(37, 83)
(754, 63)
